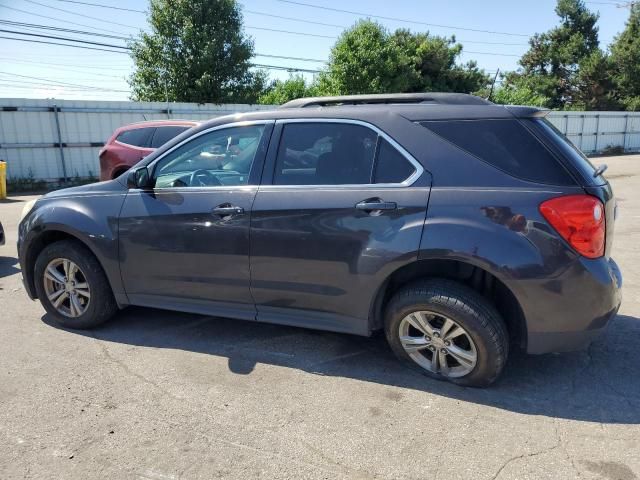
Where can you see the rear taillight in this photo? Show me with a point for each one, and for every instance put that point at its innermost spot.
(579, 219)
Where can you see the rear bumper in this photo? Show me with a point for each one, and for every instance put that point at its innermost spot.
(570, 318)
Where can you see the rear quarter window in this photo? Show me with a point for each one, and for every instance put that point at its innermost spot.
(506, 144)
(137, 137)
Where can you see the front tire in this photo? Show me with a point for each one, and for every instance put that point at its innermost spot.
(447, 331)
(72, 286)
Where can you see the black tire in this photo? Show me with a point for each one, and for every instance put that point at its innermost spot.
(102, 305)
(466, 307)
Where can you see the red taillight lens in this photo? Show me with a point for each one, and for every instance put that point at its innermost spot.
(579, 219)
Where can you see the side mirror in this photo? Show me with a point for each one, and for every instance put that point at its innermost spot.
(138, 178)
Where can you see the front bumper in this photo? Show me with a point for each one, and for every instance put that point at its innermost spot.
(588, 300)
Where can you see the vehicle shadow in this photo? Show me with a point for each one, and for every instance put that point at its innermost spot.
(599, 385)
(7, 266)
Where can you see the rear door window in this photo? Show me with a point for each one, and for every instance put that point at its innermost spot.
(391, 165)
(505, 144)
(325, 154)
(163, 134)
(137, 137)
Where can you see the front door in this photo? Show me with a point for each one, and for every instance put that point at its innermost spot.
(184, 244)
(345, 208)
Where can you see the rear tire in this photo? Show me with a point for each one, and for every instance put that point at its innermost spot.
(72, 286)
(474, 356)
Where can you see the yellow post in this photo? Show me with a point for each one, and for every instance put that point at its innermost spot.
(3, 180)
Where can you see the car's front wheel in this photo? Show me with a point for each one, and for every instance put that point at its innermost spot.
(447, 331)
(72, 286)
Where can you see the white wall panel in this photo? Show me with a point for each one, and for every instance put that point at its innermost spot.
(590, 131)
(95, 123)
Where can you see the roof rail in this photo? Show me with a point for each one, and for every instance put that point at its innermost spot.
(389, 98)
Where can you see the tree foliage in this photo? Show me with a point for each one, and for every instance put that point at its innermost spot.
(196, 52)
(625, 61)
(551, 66)
(282, 91)
(369, 59)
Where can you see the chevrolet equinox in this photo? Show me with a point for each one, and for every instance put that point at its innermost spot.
(461, 228)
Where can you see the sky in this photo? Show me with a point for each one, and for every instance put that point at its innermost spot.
(493, 32)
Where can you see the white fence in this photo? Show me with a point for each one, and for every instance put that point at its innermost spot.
(54, 139)
(593, 132)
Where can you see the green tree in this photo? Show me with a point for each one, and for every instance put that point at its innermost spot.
(433, 64)
(367, 58)
(595, 88)
(196, 52)
(550, 67)
(282, 91)
(625, 58)
(518, 94)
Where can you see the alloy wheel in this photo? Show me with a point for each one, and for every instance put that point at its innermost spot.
(66, 287)
(438, 344)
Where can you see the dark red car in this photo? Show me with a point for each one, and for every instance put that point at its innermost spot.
(131, 143)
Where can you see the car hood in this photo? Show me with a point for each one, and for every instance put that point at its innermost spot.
(110, 186)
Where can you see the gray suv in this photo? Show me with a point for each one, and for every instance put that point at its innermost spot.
(461, 228)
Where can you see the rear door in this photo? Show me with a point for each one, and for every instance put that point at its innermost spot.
(342, 206)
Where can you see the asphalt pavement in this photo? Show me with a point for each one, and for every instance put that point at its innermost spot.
(163, 395)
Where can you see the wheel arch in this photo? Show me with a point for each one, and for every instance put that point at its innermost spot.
(40, 241)
(475, 276)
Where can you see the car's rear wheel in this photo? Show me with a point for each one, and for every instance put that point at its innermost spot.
(72, 286)
(447, 331)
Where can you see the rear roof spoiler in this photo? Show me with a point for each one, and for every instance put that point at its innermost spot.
(392, 98)
(527, 112)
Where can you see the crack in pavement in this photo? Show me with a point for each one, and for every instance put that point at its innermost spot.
(524, 455)
(130, 372)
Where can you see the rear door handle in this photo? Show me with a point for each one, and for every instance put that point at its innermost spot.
(376, 204)
(226, 210)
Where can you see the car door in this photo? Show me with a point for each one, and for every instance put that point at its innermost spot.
(343, 206)
(184, 243)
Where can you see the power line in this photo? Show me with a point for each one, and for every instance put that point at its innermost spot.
(63, 84)
(81, 15)
(60, 19)
(30, 40)
(54, 37)
(103, 6)
(294, 19)
(286, 69)
(60, 29)
(305, 34)
(127, 48)
(403, 20)
(301, 59)
(82, 41)
(93, 67)
(48, 85)
(63, 67)
(269, 67)
(68, 91)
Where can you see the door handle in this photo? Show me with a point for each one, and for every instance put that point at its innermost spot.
(226, 210)
(376, 204)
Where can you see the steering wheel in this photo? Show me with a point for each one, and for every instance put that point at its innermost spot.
(203, 178)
